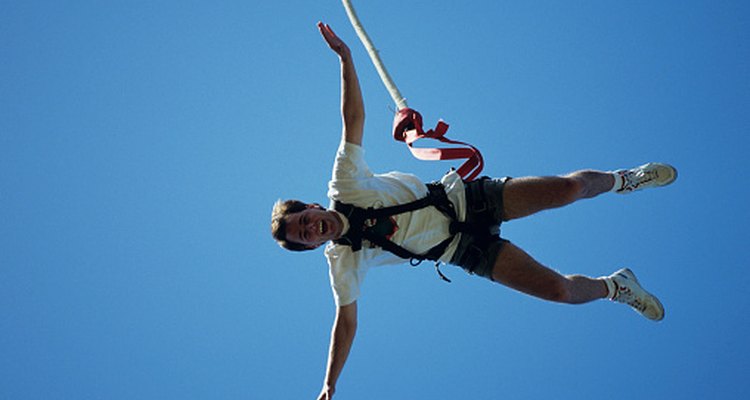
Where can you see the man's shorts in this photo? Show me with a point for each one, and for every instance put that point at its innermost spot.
(484, 202)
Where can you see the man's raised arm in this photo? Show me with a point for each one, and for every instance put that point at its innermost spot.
(342, 337)
(352, 106)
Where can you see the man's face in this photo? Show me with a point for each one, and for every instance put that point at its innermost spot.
(313, 226)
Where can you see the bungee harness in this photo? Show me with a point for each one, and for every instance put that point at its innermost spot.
(363, 223)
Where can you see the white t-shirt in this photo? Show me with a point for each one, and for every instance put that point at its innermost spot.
(352, 182)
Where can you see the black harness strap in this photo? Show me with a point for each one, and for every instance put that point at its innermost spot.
(357, 216)
(358, 230)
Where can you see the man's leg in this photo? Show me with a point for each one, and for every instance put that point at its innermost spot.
(525, 196)
(518, 270)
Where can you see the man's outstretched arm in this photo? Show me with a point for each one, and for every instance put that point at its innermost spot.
(342, 337)
(352, 106)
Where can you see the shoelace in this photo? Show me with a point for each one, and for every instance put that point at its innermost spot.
(625, 295)
(634, 179)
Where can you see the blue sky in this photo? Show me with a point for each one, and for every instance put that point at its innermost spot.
(142, 145)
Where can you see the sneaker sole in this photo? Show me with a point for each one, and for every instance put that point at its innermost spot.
(672, 169)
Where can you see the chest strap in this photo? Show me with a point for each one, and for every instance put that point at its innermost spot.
(358, 229)
(357, 217)
(436, 197)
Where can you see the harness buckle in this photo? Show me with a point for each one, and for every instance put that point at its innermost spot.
(440, 273)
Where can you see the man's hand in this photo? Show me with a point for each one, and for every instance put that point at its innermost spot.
(326, 393)
(334, 42)
(342, 336)
(352, 106)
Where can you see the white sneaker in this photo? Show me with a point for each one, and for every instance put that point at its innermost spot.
(645, 176)
(627, 290)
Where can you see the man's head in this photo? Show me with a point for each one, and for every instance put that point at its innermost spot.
(300, 226)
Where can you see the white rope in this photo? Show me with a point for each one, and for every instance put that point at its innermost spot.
(373, 52)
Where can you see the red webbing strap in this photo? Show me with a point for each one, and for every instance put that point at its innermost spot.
(407, 127)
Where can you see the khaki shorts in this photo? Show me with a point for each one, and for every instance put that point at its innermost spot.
(477, 255)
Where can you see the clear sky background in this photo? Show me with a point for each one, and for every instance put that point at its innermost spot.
(143, 143)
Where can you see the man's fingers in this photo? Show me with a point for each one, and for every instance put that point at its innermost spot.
(327, 34)
(323, 30)
(326, 29)
(333, 41)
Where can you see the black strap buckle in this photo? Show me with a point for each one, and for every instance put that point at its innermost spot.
(440, 273)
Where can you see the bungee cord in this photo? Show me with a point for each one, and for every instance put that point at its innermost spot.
(407, 125)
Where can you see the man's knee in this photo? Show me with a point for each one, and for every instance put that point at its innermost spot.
(518, 270)
(572, 188)
(559, 291)
(590, 183)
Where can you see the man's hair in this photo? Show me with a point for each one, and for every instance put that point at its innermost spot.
(281, 210)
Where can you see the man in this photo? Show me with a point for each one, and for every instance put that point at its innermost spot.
(478, 208)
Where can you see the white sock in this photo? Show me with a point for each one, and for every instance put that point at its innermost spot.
(618, 180)
(611, 287)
